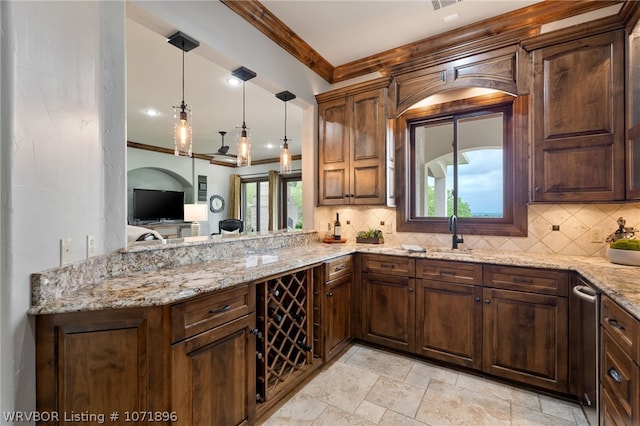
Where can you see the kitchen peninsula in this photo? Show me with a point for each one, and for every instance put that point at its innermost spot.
(181, 307)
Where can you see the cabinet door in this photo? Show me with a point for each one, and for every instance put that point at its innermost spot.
(337, 315)
(333, 152)
(578, 120)
(368, 144)
(449, 322)
(213, 376)
(389, 310)
(101, 362)
(526, 338)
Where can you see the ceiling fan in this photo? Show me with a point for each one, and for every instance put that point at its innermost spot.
(223, 150)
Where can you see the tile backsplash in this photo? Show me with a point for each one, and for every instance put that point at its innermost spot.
(578, 224)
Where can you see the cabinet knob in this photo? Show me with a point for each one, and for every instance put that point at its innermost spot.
(538, 189)
(487, 301)
(410, 289)
(329, 293)
(477, 299)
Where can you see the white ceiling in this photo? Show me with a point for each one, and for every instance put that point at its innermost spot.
(340, 31)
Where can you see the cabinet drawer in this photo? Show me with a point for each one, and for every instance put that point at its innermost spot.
(337, 268)
(455, 272)
(203, 313)
(389, 265)
(622, 327)
(543, 281)
(619, 378)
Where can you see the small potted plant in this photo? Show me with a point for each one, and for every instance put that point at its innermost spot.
(370, 236)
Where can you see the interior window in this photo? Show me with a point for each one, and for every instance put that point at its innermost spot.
(466, 157)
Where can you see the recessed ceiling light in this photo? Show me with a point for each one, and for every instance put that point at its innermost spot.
(151, 112)
(451, 17)
(232, 81)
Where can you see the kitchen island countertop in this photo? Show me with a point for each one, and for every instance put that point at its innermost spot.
(173, 284)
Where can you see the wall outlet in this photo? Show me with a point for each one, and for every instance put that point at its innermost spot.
(65, 251)
(596, 235)
(388, 228)
(91, 246)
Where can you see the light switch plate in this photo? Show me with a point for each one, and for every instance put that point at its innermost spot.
(65, 251)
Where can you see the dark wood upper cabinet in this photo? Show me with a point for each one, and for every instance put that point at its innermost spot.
(578, 151)
(352, 144)
(633, 114)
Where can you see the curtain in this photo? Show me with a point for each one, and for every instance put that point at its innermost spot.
(234, 197)
(274, 184)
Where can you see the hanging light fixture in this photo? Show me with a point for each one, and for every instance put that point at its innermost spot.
(182, 131)
(244, 143)
(285, 154)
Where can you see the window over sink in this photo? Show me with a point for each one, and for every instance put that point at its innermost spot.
(474, 148)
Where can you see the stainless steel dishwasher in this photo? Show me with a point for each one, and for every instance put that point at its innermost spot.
(589, 348)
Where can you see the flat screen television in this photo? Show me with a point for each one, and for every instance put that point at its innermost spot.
(152, 205)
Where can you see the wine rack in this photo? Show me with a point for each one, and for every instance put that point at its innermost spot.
(284, 319)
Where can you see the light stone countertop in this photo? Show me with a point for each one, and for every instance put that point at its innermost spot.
(177, 283)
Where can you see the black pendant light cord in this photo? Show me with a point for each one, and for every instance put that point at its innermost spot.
(285, 124)
(244, 126)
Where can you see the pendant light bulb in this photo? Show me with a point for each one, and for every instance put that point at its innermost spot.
(182, 131)
(243, 142)
(285, 154)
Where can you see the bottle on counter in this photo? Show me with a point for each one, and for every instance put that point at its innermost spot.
(337, 229)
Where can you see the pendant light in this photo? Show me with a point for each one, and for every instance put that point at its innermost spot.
(182, 131)
(285, 154)
(244, 143)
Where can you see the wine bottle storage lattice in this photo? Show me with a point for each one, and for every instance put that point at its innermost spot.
(283, 316)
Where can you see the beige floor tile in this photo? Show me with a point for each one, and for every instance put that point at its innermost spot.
(521, 416)
(557, 407)
(370, 411)
(391, 418)
(301, 409)
(343, 386)
(421, 373)
(333, 416)
(380, 362)
(445, 404)
(508, 393)
(395, 395)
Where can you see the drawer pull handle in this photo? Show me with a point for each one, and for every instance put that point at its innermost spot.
(523, 280)
(615, 375)
(225, 308)
(338, 268)
(615, 324)
(449, 273)
(387, 265)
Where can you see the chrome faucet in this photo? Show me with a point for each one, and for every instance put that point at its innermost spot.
(453, 228)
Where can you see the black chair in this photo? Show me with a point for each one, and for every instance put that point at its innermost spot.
(230, 225)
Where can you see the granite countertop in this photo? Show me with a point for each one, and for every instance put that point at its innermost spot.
(177, 283)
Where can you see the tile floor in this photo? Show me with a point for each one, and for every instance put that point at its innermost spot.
(368, 386)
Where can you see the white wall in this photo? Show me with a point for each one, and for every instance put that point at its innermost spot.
(63, 156)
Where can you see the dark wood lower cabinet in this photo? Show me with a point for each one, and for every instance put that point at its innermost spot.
(449, 322)
(100, 363)
(526, 338)
(389, 311)
(213, 376)
(337, 318)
